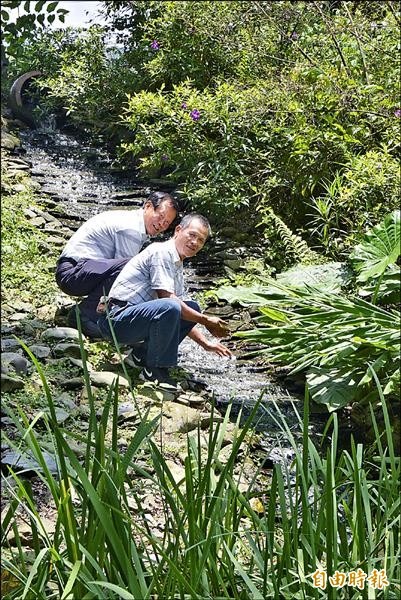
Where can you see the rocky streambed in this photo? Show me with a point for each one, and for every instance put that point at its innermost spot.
(71, 180)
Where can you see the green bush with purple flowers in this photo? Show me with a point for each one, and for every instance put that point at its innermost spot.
(246, 106)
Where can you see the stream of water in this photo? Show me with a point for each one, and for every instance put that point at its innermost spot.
(81, 179)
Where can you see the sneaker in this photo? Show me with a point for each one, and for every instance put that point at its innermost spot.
(134, 359)
(89, 328)
(158, 374)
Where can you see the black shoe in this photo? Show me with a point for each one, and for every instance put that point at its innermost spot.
(134, 359)
(89, 328)
(158, 375)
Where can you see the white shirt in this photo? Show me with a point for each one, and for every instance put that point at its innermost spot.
(158, 267)
(110, 234)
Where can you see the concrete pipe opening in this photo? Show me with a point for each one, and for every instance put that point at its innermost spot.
(19, 101)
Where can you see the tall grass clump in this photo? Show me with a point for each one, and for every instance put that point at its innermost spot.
(330, 510)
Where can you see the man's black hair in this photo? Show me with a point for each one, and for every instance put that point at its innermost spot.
(156, 198)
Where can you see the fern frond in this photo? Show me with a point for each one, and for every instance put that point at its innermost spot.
(293, 243)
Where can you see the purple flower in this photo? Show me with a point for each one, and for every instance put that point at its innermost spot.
(294, 35)
(155, 45)
(164, 157)
(194, 114)
(184, 105)
(397, 113)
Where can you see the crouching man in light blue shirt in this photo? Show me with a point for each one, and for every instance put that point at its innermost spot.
(147, 308)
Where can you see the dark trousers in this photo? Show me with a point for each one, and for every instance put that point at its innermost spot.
(88, 277)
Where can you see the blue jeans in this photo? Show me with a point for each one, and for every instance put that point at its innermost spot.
(156, 323)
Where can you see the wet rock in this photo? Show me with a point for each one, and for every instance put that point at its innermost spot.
(60, 333)
(10, 384)
(67, 349)
(22, 306)
(79, 450)
(15, 160)
(127, 411)
(17, 167)
(61, 415)
(78, 362)
(177, 471)
(140, 193)
(42, 213)
(7, 328)
(17, 316)
(226, 453)
(157, 394)
(37, 221)
(192, 399)
(26, 462)
(16, 361)
(73, 383)
(65, 400)
(84, 397)
(46, 312)
(107, 378)
(40, 352)
(56, 240)
(193, 385)
(29, 214)
(56, 228)
(9, 142)
(223, 312)
(19, 187)
(25, 536)
(179, 418)
(44, 247)
(36, 324)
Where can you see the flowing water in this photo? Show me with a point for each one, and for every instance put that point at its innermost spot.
(80, 178)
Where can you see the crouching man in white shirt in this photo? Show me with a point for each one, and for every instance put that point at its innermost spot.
(147, 309)
(99, 249)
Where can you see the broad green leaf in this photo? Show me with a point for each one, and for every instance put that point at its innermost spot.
(380, 248)
(334, 387)
(241, 294)
(274, 314)
(328, 276)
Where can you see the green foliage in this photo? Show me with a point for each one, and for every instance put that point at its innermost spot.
(296, 249)
(331, 338)
(31, 17)
(384, 289)
(379, 249)
(80, 74)
(215, 544)
(27, 259)
(334, 339)
(357, 197)
(215, 155)
(298, 105)
(288, 133)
